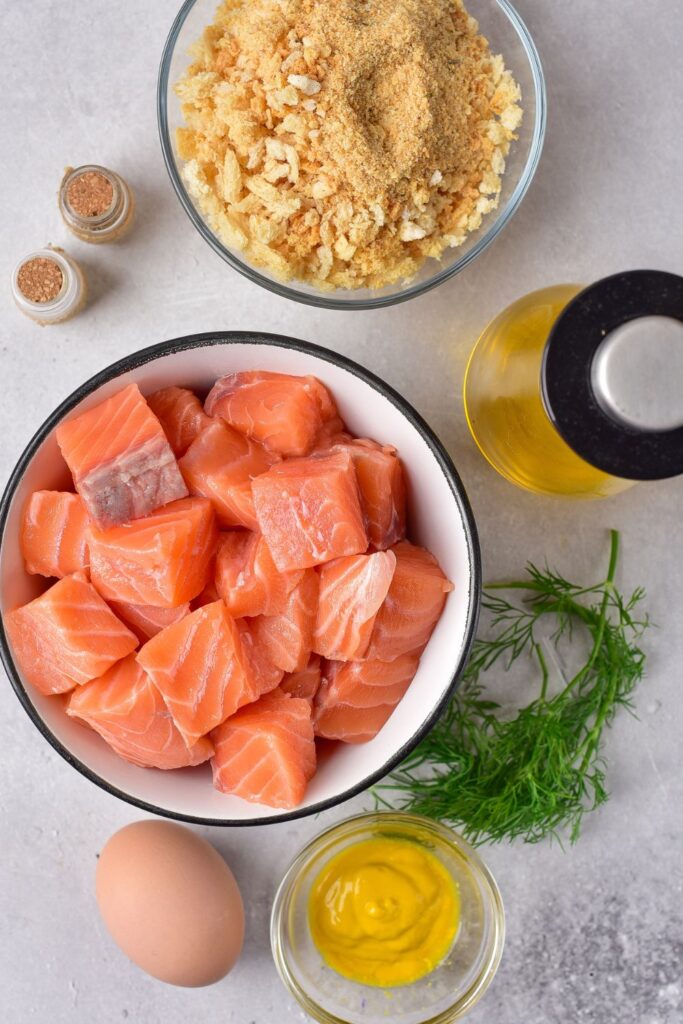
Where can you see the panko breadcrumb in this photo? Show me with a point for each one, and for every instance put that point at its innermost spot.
(342, 142)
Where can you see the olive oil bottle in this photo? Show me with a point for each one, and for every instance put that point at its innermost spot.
(578, 392)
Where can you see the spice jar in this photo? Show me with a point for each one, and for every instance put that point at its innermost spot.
(49, 286)
(579, 391)
(96, 204)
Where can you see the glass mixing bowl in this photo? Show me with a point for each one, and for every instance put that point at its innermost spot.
(506, 33)
(443, 996)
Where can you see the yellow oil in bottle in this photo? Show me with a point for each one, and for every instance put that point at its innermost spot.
(505, 409)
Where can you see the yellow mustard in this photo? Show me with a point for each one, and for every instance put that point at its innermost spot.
(384, 912)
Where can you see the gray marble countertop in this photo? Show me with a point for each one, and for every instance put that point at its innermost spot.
(595, 934)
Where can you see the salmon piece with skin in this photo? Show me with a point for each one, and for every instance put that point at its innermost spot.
(287, 638)
(126, 709)
(357, 698)
(220, 465)
(201, 669)
(413, 605)
(67, 636)
(54, 534)
(284, 413)
(309, 511)
(145, 620)
(163, 560)
(352, 590)
(181, 414)
(247, 578)
(304, 684)
(266, 752)
(120, 459)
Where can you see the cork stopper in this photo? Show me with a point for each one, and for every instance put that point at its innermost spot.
(40, 279)
(96, 204)
(90, 194)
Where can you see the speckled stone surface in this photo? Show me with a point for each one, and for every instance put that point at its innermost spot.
(595, 935)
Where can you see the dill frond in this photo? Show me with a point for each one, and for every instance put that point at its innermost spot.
(538, 773)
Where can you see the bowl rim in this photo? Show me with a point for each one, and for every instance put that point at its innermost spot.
(327, 300)
(192, 341)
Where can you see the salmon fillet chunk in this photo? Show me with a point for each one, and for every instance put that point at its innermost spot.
(356, 699)
(413, 605)
(309, 511)
(265, 672)
(247, 578)
(382, 487)
(284, 413)
(163, 560)
(266, 752)
(201, 669)
(352, 590)
(126, 709)
(122, 464)
(67, 636)
(220, 465)
(287, 638)
(145, 620)
(181, 414)
(54, 534)
(304, 684)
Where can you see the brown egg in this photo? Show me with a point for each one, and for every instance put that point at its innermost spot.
(171, 903)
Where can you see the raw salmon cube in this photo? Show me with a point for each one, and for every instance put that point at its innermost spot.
(332, 430)
(201, 669)
(220, 465)
(122, 464)
(304, 684)
(309, 511)
(413, 605)
(266, 752)
(284, 413)
(383, 491)
(267, 674)
(181, 414)
(54, 534)
(162, 560)
(208, 595)
(246, 576)
(145, 620)
(356, 698)
(352, 590)
(126, 709)
(287, 639)
(67, 636)
(382, 485)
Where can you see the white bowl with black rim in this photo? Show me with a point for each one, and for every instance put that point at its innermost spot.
(440, 519)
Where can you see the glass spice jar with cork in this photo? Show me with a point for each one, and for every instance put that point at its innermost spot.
(578, 392)
(49, 286)
(96, 204)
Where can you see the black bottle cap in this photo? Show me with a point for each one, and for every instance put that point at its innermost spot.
(588, 418)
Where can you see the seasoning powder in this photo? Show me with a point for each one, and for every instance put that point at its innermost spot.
(40, 279)
(344, 141)
(90, 194)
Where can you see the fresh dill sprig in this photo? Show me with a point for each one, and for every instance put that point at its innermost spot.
(535, 774)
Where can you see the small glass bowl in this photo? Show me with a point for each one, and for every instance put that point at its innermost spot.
(445, 995)
(507, 34)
